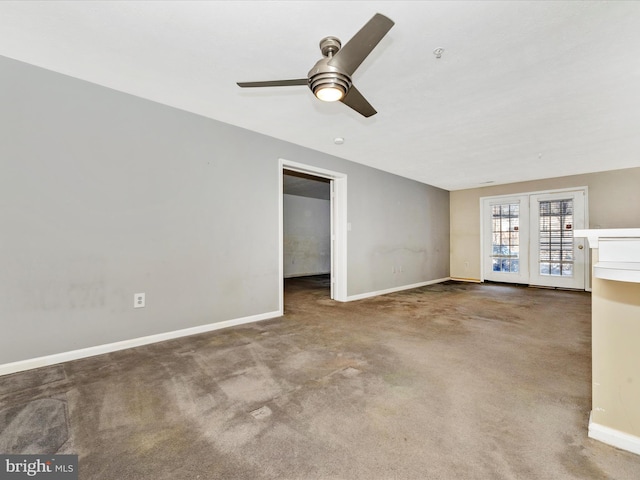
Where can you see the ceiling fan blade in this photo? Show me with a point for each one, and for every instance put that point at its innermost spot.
(349, 57)
(275, 83)
(355, 100)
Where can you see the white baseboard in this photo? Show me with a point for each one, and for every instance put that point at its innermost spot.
(613, 437)
(361, 296)
(468, 280)
(45, 361)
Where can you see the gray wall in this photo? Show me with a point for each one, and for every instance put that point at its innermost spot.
(306, 235)
(103, 195)
(396, 224)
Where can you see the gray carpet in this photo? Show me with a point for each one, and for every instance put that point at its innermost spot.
(450, 381)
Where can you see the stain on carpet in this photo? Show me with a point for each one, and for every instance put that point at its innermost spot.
(31, 379)
(37, 427)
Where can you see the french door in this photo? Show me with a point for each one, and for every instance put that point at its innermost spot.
(528, 239)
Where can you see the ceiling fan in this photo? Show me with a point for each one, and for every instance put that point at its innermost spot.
(330, 77)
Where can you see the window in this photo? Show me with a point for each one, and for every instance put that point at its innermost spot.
(506, 237)
(556, 238)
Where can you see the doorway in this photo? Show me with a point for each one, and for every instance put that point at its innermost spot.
(528, 238)
(296, 178)
(306, 233)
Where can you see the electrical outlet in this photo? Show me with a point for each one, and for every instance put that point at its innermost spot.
(138, 300)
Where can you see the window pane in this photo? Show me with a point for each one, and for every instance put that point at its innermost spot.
(505, 226)
(556, 238)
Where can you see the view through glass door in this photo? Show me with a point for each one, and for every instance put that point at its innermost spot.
(528, 239)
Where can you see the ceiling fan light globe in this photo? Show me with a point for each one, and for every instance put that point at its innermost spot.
(330, 93)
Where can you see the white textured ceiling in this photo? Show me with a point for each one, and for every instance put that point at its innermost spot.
(524, 90)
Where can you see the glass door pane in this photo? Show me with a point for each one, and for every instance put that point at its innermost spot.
(505, 221)
(555, 256)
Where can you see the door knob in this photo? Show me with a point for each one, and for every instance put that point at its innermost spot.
(580, 247)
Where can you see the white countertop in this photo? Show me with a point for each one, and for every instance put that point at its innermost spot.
(594, 234)
(619, 253)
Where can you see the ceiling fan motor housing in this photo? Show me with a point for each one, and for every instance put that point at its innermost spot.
(323, 75)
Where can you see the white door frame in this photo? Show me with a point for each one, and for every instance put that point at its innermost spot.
(484, 201)
(338, 227)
